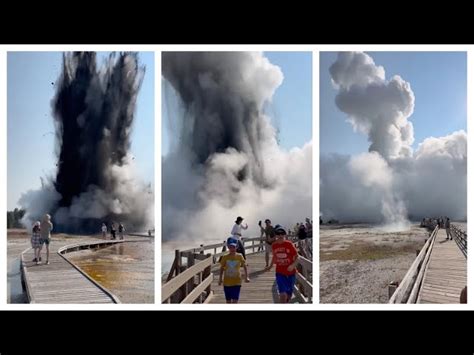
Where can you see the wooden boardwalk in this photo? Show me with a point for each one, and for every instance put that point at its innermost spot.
(446, 273)
(59, 282)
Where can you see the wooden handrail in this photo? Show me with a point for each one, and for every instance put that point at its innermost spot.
(305, 263)
(304, 280)
(414, 294)
(460, 237)
(402, 293)
(181, 283)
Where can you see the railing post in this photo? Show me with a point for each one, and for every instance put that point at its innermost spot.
(190, 284)
(205, 275)
(177, 256)
(176, 270)
(391, 288)
(200, 278)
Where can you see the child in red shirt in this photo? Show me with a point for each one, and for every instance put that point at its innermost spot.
(285, 256)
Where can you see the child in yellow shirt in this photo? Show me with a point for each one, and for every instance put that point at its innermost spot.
(230, 269)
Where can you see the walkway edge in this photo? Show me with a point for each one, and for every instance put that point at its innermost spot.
(24, 275)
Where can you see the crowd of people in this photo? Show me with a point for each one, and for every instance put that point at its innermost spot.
(113, 231)
(441, 222)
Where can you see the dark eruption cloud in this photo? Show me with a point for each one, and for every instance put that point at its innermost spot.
(94, 111)
(93, 116)
(222, 107)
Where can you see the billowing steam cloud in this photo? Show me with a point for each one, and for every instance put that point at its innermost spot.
(375, 106)
(94, 111)
(225, 160)
(391, 183)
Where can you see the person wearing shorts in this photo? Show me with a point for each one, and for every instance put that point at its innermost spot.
(46, 228)
(230, 269)
(269, 239)
(285, 257)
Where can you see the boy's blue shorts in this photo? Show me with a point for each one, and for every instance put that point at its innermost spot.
(285, 283)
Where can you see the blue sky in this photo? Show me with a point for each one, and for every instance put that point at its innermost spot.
(30, 123)
(291, 109)
(438, 80)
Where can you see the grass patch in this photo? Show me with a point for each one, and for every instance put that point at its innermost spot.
(368, 251)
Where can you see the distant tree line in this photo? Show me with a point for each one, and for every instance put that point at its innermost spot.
(14, 217)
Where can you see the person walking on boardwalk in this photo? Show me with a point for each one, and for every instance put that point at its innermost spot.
(121, 229)
(36, 241)
(269, 239)
(113, 231)
(46, 228)
(237, 234)
(104, 231)
(230, 269)
(285, 256)
(448, 229)
(309, 228)
(262, 235)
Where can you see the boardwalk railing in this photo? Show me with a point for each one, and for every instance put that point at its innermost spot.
(89, 245)
(460, 237)
(189, 281)
(407, 291)
(254, 245)
(192, 285)
(303, 288)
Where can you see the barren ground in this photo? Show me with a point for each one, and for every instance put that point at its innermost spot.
(358, 261)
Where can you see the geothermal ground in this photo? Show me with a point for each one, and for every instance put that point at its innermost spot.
(358, 261)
